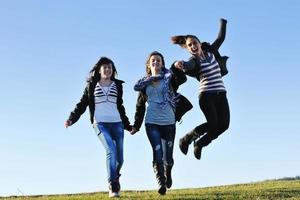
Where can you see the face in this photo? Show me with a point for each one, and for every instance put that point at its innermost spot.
(193, 46)
(106, 71)
(155, 64)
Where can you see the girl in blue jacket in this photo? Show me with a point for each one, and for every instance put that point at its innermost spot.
(165, 107)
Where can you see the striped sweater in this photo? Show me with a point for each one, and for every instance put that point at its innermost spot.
(210, 74)
(105, 94)
(106, 103)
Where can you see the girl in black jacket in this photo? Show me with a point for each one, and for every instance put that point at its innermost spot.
(103, 95)
(208, 67)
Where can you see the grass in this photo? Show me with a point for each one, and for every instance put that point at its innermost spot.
(266, 190)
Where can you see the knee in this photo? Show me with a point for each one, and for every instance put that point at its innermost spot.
(109, 154)
(157, 153)
(120, 162)
(213, 129)
(218, 130)
(157, 148)
(223, 127)
(120, 159)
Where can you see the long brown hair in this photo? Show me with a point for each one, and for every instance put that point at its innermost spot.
(94, 73)
(181, 39)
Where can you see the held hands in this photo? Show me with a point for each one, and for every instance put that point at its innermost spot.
(179, 64)
(133, 130)
(68, 123)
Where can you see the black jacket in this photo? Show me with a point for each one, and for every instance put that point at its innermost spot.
(88, 99)
(182, 106)
(213, 48)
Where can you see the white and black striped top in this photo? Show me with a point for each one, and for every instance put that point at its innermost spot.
(104, 94)
(106, 103)
(210, 75)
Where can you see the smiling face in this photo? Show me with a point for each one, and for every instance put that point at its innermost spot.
(155, 64)
(193, 46)
(106, 71)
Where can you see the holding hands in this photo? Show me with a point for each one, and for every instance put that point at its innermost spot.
(133, 130)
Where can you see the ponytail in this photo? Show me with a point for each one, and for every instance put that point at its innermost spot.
(181, 39)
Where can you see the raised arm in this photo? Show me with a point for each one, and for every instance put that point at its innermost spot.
(221, 36)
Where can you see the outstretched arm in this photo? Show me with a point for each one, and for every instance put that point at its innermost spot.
(178, 77)
(184, 66)
(222, 33)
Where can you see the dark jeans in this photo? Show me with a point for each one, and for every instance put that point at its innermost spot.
(216, 110)
(161, 138)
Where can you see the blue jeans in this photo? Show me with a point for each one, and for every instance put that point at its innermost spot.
(161, 138)
(111, 136)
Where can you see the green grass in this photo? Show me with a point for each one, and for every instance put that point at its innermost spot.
(266, 190)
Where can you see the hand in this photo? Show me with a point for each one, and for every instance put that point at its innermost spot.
(179, 64)
(68, 123)
(223, 20)
(129, 128)
(133, 131)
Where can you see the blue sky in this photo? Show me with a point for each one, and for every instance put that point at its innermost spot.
(48, 47)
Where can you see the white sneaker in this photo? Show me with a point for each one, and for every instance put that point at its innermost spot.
(112, 194)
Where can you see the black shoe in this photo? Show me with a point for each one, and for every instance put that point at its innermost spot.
(169, 182)
(115, 186)
(160, 177)
(162, 190)
(118, 183)
(197, 150)
(184, 145)
(187, 140)
(168, 173)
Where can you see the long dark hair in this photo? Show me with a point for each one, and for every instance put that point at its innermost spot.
(154, 53)
(94, 74)
(181, 39)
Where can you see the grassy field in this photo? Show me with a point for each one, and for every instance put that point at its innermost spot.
(271, 190)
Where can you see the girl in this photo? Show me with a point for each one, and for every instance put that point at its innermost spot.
(103, 94)
(158, 89)
(208, 66)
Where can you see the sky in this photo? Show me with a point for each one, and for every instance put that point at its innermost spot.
(48, 47)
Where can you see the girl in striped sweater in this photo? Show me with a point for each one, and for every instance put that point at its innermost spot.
(208, 67)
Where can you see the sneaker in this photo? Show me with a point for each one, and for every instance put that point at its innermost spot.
(112, 194)
(114, 189)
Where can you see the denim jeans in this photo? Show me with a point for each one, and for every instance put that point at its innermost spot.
(111, 136)
(161, 138)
